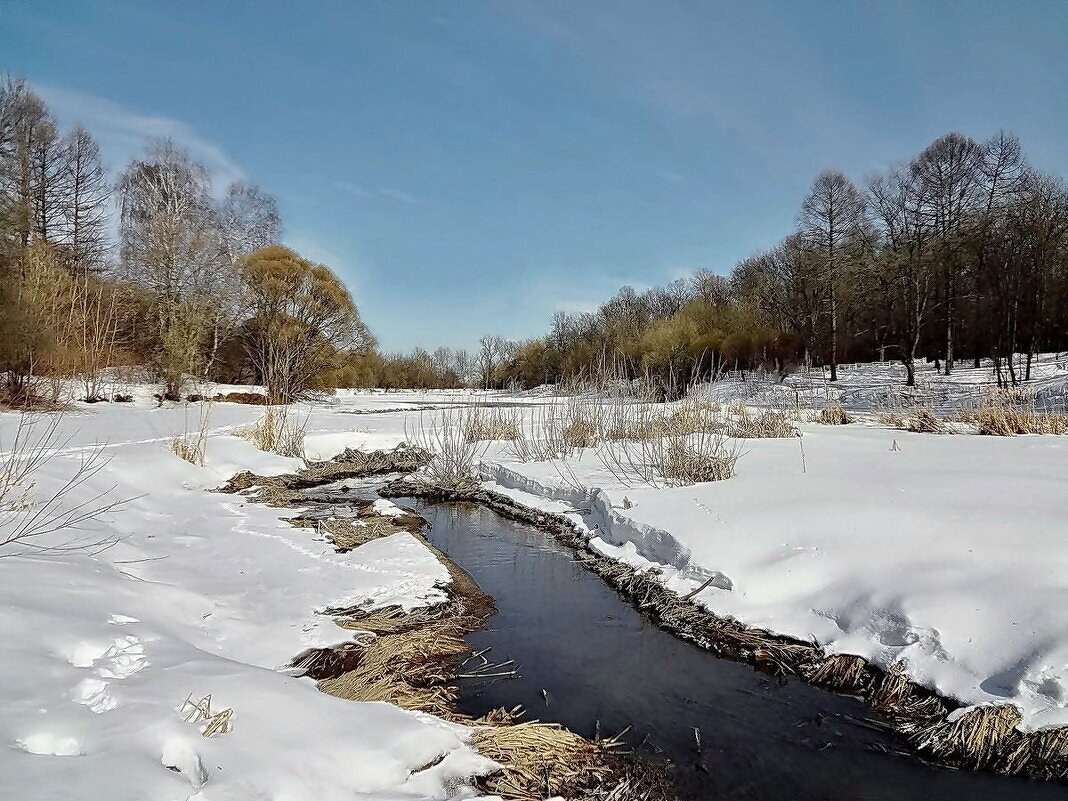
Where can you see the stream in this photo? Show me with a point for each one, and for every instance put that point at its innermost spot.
(590, 661)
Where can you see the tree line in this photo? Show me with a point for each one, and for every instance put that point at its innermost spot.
(155, 268)
(960, 253)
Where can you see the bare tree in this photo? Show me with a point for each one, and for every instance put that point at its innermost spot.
(949, 170)
(172, 245)
(490, 354)
(831, 219)
(903, 260)
(85, 201)
(250, 219)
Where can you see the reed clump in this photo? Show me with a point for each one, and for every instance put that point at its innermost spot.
(924, 421)
(833, 416)
(843, 673)
(975, 739)
(485, 423)
(1001, 420)
(278, 431)
(540, 760)
(766, 425)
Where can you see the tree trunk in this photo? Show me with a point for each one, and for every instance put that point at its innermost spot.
(834, 335)
(910, 371)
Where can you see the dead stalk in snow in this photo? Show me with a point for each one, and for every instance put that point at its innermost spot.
(26, 516)
(191, 444)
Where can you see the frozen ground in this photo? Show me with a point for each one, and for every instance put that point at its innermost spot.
(947, 551)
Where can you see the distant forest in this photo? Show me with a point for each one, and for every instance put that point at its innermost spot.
(959, 254)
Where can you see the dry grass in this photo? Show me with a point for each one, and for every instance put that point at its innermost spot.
(347, 534)
(833, 416)
(540, 760)
(766, 425)
(189, 448)
(278, 431)
(842, 672)
(924, 421)
(410, 667)
(485, 423)
(898, 697)
(1003, 420)
(974, 739)
(1040, 754)
(892, 419)
(695, 460)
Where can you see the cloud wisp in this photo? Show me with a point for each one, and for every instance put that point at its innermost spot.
(123, 132)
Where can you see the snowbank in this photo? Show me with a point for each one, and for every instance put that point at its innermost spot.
(948, 552)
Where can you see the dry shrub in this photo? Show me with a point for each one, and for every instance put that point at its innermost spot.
(766, 425)
(276, 432)
(28, 513)
(454, 457)
(556, 430)
(833, 416)
(540, 760)
(491, 423)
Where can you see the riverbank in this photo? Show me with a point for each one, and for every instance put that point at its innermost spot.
(413, 658)
(939, 728)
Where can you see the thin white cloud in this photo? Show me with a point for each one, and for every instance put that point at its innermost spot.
(123, 132)
(670, 175)
(397, 194)
(351, 189)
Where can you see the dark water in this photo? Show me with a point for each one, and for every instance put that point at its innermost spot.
(603, 667)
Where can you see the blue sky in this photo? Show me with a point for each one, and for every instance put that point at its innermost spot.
(469, 167)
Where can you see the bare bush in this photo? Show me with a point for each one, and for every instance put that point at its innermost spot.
(557, 430)
(278, 431)
(454, 457)
(25, 515)
(674, 459)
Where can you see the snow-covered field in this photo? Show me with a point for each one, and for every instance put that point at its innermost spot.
(203, 594)
(950, 552)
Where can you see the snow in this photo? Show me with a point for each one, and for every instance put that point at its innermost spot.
(204, 593)
(945, 551)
